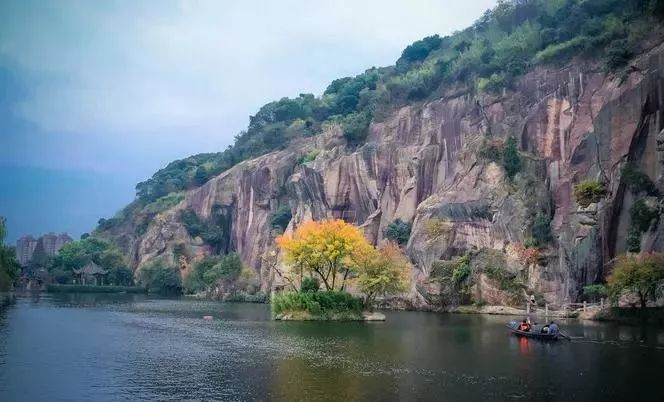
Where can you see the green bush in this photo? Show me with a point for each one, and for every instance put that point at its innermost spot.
(541, 229)
(161, 278)
(633, 240)
(280, 218)
(637, 181)
(618, 54)
(310, 157)
(595, 292)
(356, 127)
(247, 298)
(318, 304)
(211, 231)
(511, 158)
(310, 285)
(419, 50)
(461, 271)
(561, 52)
(590, 191)
(642, 215)
(398, 231)
(507, 281)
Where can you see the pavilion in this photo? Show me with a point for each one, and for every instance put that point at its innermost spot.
(90, 274)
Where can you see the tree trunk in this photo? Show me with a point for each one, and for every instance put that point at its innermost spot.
(327, 285)
(644, 300)
(343, 282)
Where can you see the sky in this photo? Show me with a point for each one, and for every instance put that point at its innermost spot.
(96, 96)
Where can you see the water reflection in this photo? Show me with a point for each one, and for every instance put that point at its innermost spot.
(107, 347)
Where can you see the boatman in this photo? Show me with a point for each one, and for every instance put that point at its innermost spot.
(553, 328)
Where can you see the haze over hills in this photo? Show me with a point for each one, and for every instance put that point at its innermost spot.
(83, 101)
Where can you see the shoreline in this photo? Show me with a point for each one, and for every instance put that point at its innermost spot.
(365, 316)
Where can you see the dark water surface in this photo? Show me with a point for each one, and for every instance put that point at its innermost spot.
(130, 347)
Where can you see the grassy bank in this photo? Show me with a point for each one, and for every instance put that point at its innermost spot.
(94, 289)
(317, 306)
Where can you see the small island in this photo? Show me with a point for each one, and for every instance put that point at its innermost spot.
(333, 273)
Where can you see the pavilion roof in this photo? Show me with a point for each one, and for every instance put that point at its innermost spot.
(90, 269)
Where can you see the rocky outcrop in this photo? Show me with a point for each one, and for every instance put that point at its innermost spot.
(424, 164)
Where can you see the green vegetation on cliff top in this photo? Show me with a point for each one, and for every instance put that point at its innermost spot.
(502, 44)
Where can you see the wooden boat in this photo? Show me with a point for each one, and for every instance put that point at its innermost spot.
(535, 331)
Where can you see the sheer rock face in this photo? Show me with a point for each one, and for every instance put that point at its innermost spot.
(421, 164)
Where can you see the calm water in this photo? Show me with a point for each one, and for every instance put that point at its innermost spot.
(127, 347)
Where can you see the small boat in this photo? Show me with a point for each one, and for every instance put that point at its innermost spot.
(535, 331)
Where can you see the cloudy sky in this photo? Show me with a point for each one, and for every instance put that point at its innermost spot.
(97, 95)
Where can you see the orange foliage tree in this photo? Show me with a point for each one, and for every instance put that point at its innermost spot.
(327, 249)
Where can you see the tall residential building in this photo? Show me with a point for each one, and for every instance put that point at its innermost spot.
(25, 246)
(50, 243)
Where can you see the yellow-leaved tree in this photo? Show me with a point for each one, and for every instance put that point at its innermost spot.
(382, 272)
(326, 249)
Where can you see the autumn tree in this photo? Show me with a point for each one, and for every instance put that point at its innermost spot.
(326, 249)
(382, 272)
(641, 274)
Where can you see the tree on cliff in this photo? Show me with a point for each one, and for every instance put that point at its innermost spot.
(642, 275)
(511, 158)
(8, 265)
(327, 249)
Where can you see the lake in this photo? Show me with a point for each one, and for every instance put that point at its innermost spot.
(132, 347)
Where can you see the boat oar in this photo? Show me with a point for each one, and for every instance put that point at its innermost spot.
(569, 338)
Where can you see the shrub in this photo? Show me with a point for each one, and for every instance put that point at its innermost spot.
(192, 222)
(642, 274)
(356, 127)
(419, 50)
(280, 218)
(161, 278)
(247, 298)
(201, 176)
(494, 83)
(491, 151)
(435, 228)
(511, 158)
(595, 292)
(461, 271)
(590, 191)
(310, 157)
(642, 215)
(310, 284)
(637, 181)
(507, 281)
(398, 231)
(320, 305)
(633, 239)
(561, 52)
(541, 229)
(618, 54)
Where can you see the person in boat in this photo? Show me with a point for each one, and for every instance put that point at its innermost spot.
(553, 328)
(524, 326)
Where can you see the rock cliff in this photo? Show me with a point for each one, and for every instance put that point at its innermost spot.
(427, 164)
